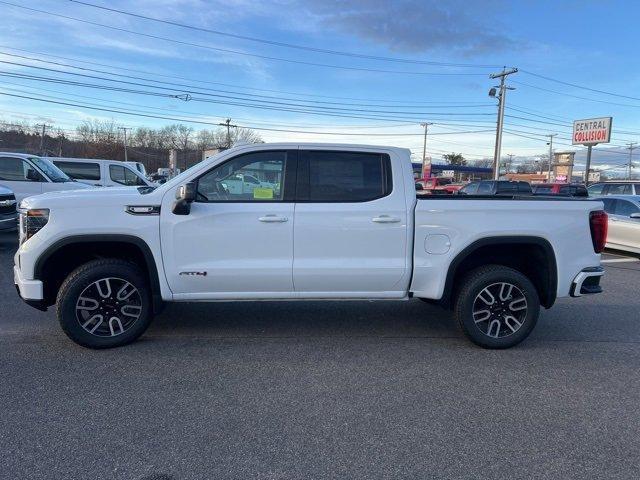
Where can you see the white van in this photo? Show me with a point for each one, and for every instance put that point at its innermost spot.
(101, 173)
(28, 175)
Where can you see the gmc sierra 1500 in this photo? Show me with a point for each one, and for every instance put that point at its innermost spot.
(326, 222)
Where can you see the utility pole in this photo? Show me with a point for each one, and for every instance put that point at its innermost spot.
(124, 129)
(227, 123)
(550, 155)
(631, 147)
(501, 101)
(424, 146)
(44, 129)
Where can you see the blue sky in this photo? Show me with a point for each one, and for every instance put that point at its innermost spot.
(590, 44)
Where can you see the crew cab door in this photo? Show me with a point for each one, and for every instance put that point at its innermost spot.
(350, 233)
(234, 244)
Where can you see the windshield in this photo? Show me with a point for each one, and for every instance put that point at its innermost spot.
(50, 170)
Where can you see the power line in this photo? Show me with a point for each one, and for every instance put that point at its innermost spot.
(579, 86)
(202, 122)
(157, 74)
(235, 52)
(281, 44)
(188, 95)
(480, 105)
(575, 96)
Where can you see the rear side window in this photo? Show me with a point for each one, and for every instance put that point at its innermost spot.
(507, 187)
(124, 176)
(567, 190)
(524, 187)
(618, 189)
(344, 176)
(80, 171)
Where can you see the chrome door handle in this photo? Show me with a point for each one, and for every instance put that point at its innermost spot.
(613, 219)
(385, 219)
(273, 219)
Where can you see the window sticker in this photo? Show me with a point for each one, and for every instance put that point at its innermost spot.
(263, 193)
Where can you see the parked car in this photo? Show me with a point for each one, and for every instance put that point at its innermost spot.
(624, 222)
(102, 173)
(439, 185)
(496, 187)
(619, 187)
(28, 175)
(8, 210)
(346, 224)
(562, 189)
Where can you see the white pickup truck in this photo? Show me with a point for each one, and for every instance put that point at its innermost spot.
(344, 223)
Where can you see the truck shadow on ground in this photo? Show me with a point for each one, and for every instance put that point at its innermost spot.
(306, 319)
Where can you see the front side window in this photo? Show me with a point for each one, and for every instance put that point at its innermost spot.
(596, 189)
(347, 176)
(544, 190)
(469, 189)
(124, 176)
(54, 173)
(485, 188)
(79, 171)
(609, 205)
(254, 177)
(18, 170)
(624, 208)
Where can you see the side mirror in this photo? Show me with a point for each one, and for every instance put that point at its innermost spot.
(33, 176)
(635, 215)
(185, 195)
(419, 187)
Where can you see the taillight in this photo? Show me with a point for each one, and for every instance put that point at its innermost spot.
(598, 221)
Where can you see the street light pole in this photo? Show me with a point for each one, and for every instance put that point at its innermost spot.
(501, 101)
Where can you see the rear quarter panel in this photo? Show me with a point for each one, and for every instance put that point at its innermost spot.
(445, 227)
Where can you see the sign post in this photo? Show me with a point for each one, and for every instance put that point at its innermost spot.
(590, 132)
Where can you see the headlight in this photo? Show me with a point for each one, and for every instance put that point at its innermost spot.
(32, 221)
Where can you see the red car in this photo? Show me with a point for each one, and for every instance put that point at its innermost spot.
(439, 185)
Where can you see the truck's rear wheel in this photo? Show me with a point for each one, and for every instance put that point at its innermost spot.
(104, 303)
(497, 306)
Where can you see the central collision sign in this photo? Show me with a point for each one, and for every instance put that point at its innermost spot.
(592, 131)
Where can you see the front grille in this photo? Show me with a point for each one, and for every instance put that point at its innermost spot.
(7, 204)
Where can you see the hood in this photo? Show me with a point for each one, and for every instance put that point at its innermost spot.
(88, 197)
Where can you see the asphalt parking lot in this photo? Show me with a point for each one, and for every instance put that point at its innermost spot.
(324, 390)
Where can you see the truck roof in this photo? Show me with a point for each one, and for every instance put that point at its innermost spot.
(336, 146)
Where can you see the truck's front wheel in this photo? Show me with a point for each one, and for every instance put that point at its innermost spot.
(497, 306)
(104, 303)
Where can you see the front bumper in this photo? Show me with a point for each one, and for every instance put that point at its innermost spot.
(28, 289)
(587, 282)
